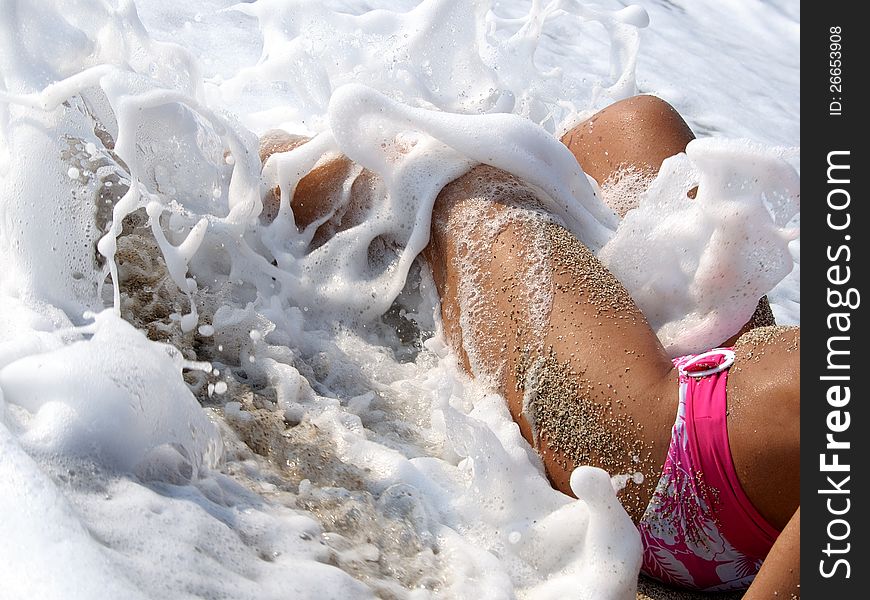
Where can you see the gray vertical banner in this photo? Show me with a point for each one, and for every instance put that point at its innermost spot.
(835, 425)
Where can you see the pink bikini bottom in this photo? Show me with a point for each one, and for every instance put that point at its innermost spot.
(700, 530)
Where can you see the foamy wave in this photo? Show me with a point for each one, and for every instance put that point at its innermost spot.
(216, 430)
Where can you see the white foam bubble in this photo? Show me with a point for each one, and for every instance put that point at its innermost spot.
(716, 254)
(83, 400)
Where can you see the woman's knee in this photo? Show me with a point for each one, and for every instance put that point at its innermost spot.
(636, 133)
(316, 193)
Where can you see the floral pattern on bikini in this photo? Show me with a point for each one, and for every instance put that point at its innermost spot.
(682, 541)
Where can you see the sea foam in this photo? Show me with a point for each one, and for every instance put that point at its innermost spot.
(197, 403)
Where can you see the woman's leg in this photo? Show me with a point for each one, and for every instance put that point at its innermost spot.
(532, 310)
(537, 307)
(623, 147)
(635, 136)
(321, 191)
(493, 264)
(780, 575)
(529, 308)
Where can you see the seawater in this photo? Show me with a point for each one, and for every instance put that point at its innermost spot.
(197, 403)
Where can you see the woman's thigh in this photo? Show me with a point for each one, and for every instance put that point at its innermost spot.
(531, 310)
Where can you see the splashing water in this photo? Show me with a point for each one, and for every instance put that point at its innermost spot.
(340, 451)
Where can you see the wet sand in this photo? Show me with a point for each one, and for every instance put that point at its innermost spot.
(647, 589)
